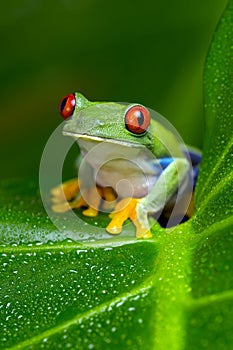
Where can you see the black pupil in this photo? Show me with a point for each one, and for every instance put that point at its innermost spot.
(140, 117)
(63, 103)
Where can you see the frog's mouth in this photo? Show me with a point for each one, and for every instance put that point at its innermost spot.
(102, 139)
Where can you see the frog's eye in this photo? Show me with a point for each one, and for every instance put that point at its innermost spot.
(137, 119)
(67, 106)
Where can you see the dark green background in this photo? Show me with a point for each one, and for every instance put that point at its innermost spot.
(150, 52)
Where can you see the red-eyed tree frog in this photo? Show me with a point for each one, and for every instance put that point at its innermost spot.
(131, 160)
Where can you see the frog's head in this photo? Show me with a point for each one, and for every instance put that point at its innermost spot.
(121, 123)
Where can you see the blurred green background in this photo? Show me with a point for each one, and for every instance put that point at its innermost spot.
(149, 51)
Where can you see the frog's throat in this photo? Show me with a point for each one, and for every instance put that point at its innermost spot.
(102, 139)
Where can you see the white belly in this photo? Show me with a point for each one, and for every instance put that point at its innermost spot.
(130, 171)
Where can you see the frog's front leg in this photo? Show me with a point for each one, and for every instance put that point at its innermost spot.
(126, 209)
(66, 197)
(137, 209)
(164, 189)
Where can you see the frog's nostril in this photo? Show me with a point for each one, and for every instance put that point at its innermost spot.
(67, 106)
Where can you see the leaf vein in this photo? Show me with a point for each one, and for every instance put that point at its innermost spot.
(224, 181)
(215, 168)
(213, 298)
(220, 225)
(111, 243)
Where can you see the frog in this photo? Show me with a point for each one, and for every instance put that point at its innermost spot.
(122, 144)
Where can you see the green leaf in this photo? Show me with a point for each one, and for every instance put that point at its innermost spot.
(171, 292)
(215, 182)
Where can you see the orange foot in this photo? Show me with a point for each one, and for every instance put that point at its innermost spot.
(65, 192)
(126, 209)
(65, 197)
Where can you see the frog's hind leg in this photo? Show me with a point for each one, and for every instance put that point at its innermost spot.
(195, 157)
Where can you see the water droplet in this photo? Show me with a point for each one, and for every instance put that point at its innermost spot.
(131, 309)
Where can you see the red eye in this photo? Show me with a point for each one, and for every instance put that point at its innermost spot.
(137, 119)
(67, 106)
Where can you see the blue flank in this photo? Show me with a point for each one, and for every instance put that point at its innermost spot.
(164, 162)
(195, 158)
